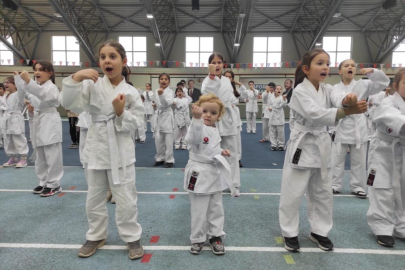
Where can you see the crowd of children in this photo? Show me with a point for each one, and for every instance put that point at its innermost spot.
(112, 115)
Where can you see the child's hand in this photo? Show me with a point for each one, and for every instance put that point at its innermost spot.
(238, 83)
(86, 74)
(30, 108)
(358, 108)
(364, 71)
(197, 112)
(25, 76)
(119, 104)
(370, 104)
(226, 153)
(212, 68)
(247, 100)
(160, 91)
(284, 97)
(267, 89)
(270, 109)
(350, 99)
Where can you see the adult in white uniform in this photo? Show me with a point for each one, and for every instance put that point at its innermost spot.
(277, 119)
(307, 161)
(266, 113)
(221, 86)
(149, 110)
(351, 132)
(386, 178)
(251, 107)
(164, 123)
(181, 118)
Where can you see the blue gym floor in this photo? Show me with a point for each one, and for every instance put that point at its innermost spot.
(46, 233)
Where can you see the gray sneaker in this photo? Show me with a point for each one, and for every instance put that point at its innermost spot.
(90, 247)
(196, 248)
(135, 250)
(217, 246)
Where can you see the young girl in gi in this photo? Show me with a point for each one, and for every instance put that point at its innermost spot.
(276, 120)
(109, 154)
(2, 108)
(386, 178)
(46, 126)
(307, 160)
(207, 173)
(15, 142)
(181, 118)
(84, 124)
(164, 123)
(149, 110)
(351, 132)
(251, 107)
(267, 97)
(221, 86)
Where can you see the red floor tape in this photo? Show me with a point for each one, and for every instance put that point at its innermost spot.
(154, 239)
(175, 189)
(146, 258)
(61, 194)
(72, 188)
(172, 196)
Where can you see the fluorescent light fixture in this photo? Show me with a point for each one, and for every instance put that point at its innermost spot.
(242, 15)
(337, 15)
(57, 15)
(237, 45)
(157, 44)
(149, 16)
(318, 44)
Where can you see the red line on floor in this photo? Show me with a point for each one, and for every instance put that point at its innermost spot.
(182, 170)
(175, 189)
(146, 258)
(72, 188)
(61, 194)
(154, 239)
(172, 196)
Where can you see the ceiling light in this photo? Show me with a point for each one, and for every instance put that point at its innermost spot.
(149, 16)
(318, 44)
(237, 45)
(337, 15)
(157, 44)
(57, 15)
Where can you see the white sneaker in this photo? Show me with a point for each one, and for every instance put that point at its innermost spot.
(22, 163)
(184, 147)
(176, 146)
(248, 131)
(254, 131)
(237, 194)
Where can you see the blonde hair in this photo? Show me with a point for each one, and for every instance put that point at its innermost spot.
(214, 99)
(400, 75)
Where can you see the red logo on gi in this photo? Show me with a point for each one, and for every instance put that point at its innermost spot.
(206, 140)
(389, 130)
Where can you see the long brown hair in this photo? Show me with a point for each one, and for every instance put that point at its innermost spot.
(398, 77)
(306, 61)
(47, 67)
(126, 71)
(233, 82)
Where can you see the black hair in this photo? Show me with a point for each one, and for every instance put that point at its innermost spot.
(47, 67)
(272, 84)
(291, 81)
(130, 83)
(1, 85)
(306, 61)
(190, 81)
(236, 93)
(179, 83)
(212, 56)
(251, 82)
(164, 74)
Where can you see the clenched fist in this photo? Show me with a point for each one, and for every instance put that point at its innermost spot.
(119, 104)
(350, 99)
(197, 112)
(160, 91)
(226, 153)
(25, 76)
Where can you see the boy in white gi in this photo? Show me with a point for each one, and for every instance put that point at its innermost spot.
(276, 120)
(149, 110)
(386, 171)
(2, 108)
(251, 107)
(181, 118)
(164, 123)
(109, 154)
(139, 134)
(267, 98)
(351, 132)
(46, 126)
(15, 142)
(207, 173)
(307, 161)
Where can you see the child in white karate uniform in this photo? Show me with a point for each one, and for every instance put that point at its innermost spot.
(207, 173)
(149, 110)
(84, 124)
(251, 107)
(2, 108)
(181, 118)
(15, 142)
(109, 154)
(139, 134)
(267, 97)
(276, 120)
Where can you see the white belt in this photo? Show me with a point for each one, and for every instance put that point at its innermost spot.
(7, 114)
(356, 136)
(115, 153)
(316, 132)
(220, 162)
(160, 112)
(35, 123)
(399, 190)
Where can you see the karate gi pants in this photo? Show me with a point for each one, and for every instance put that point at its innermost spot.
(179, 135)
(230, 143)
(239, 141)
(357, 166)
(150, 118)
(207, 217)
(164, 147)
(266, 128)
(49, 165)
(82, 142)
(126, 211)
(295, 184)
(277, 136)
(15, 144)
(251, 121)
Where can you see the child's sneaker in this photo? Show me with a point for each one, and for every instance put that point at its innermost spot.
(47, 192)
(38, 190)
(237, 194)
(22, 163)
(10, 163)
(184, 147)
(385, 240)
(90, 247)
(324, 243)
(292, 244)
(280, 148)
(176, 146)
(273, 148)
(196, 248)
(217, 246)
(135, 250)
(72, 146)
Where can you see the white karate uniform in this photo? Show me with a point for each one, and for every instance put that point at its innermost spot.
(140, 132)
(2, 109)
(109, 153)
(149, 110)
(84, 124)
(376, 100)
(164, 126)
(266, 114)
(207, 173)
(386, 214)
(228, 125)
(181, 119)
(251, 110)
(235, 101)
(46, 131)
(276, 122)
(15, 141)
(351, 132)
(307, 160)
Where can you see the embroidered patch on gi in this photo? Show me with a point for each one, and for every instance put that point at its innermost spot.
(297, 156)
(206, 139)
(371, 177)
(389, 130)
(193, 180)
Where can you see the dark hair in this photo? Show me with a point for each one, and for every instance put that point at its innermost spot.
(10, 79)
(272, 84)
(183, 81)
(47, 67)
(1, 85)
(398, 77)
(126, 71)
(148, 84)
(120, 49)
(164, 74)
(190, 81)
(291, 81)
(306, 61)
(251, 82)
(179, 83)
(390, 85)
(341, 63)
(213, 55)
(232, 82)
(178, 89)
(130, 83)
(143, 98)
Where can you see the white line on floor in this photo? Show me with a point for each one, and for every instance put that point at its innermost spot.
(229, 248)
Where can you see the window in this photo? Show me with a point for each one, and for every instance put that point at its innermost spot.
(398, 56)
(65, 50)
(6, 55)
(136, 50)
(198, 50)
(339, 48)
(267, 50)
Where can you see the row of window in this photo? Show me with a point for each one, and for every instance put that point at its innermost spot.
(198, 49)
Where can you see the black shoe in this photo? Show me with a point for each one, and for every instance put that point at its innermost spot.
(217, 246)
(48, 192)
(240, 164)
(336, 192)
(360, 194)
(38, 190)
(158, 163)
(137, 140)
(292, 244)
(141, 141)
(385, 240)
(168, 165)
(281, 148)
(273, 148)
(324, 243)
